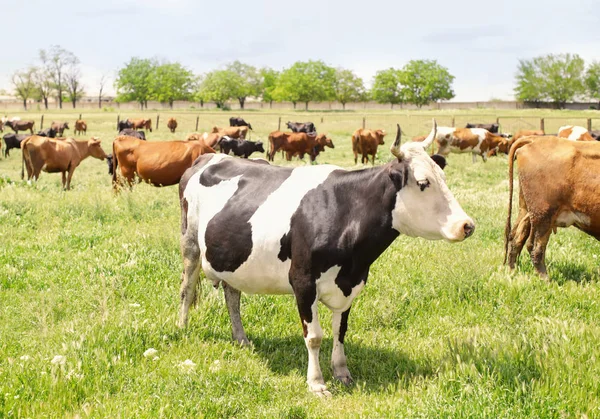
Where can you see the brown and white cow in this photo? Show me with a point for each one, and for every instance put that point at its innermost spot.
(574, 133)
(556, 189)
(209, 139)
(158, 163)
(80, 127)
(145, 123)
(172, 124)
(365, 143)
(57, 155)
(233, 132)
(477, 141)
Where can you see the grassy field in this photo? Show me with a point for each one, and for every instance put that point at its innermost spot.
(89, 282)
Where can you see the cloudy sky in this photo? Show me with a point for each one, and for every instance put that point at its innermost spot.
(479, 42)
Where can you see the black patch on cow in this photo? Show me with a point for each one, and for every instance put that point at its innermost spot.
(229, 233)
(184, 211)
(285, 252)
(343, 325)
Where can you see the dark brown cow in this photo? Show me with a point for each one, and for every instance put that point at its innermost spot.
(141, 123)
(365, 143)
(556, 189)
(20, 125)
(80, 127)
(297, 144)
(158, 163)
(57, 155)
(59, 127)
(233, 132)
(172, 124)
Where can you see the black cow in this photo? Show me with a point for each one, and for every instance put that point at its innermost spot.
(48, 132)
(242, 148)
(133, 133)
(493, 128)
(124, 124)
(307, 127)
(109, 162)
(311, 231)
(13, 141)
(595, 133)
(238, 122)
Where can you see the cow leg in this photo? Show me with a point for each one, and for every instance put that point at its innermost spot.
(232, 299)
(518, 236)
(541, 235)
(338, 357)
(373, 159)
(191, 272)
(71, 171)
(64, 179)
(355, 158)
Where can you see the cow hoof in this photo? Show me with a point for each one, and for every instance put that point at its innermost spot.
(245, 342)
(320, 390)
(345, 379)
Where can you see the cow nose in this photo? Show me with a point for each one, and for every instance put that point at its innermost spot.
(468, 228)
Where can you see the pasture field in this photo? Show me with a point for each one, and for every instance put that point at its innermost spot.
(89, 281)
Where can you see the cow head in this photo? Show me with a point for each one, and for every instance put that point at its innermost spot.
(95, 149)
(259, 147)
(66, 125)
(380, 133)
(324, 141)
(424, 207)
(215, 130)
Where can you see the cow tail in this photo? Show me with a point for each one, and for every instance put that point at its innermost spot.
(511, 160)
(23, 160)
(115, 164)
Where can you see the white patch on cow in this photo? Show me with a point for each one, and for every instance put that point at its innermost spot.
(331, 295)
(576, 132)
(568, 218)
(263, 272)
(313, 339)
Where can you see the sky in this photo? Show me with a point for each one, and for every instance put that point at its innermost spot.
(479, 42)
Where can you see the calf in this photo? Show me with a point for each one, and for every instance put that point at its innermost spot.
(238, 122)
(311, 231)
(80, 127)
(140, 135)
(365, 142)
(242, 148)
(12, 140)
(172, 124)
(307, 127)
(574, 133)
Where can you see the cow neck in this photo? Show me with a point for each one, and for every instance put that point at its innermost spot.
(83, 148)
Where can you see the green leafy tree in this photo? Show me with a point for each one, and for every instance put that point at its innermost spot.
(306, 82)
(426, 81)
(269, 84)
(249, 81)
(171, 82)
(219, 86)
(387, 87)
(134, 81)
(348, 87)
(57, 61)
(529, 86)
(592, 81)
(23, 82)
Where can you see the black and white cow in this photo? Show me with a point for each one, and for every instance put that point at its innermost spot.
(241, 148)
(253, 227)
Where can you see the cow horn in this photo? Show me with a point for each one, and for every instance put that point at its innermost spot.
(427, 142)
(395, 149)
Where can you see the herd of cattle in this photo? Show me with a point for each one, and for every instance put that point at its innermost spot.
(250, 225)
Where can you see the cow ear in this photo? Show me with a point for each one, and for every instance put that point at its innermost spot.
(398, 173)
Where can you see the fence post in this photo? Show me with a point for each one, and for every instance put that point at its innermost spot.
(157, 119)
(321, 120)
(364, 121)
(279, 125)
(589, 123)
(79, 116)
(453, 120)
(118, 120)
(542, 124)
(197, 120)
(42, 122)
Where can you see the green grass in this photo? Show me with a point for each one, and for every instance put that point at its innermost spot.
(440, 330)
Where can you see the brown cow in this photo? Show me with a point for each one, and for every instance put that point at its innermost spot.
(158, 163)
(478, 141)
(80, 127)
(365, 142)
(574, 133)
(141, 123)
(18, 125)
(172, 124)
(556, 189)
(233, 132)
(526, 133)
(210, 140)
(297, 144)
(57, 155)
(59, 127)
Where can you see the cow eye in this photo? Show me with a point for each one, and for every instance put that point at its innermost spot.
(423, 184)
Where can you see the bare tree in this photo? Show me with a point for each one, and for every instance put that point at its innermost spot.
(73, 83)
(57, 61)
(101, 83)
(43, 84)
(24, 84)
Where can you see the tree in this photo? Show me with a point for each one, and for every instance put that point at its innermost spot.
(43, 84)
(219, 86)
(134, 81)
(24, 84)
(73, 83)
(101, 83)
(56, 62)
(426, 81)
(592, 81)
(269, 84)
(387, 87)
(348, 87)
(249, 81)
(171, 82)
(558, 78)
(305, 82)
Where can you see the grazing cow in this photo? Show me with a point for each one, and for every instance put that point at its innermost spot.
(526, 133)
(48, 132)
(297, 144)
(307, 127)
(311, 231)
(233, 132)
(365, 142)
(238, 122)
(242, 148)
(54, 155)
(140, 135)
(557, 188)
(145, 123)
(80, 127)
(477, 141)
(60, 127)
(18, 125)
(574, 133)
(493, 128)
(158, 163)
(172, 124)
(125, 124)
(12, 140)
